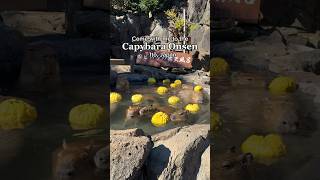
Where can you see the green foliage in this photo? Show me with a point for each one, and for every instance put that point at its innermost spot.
(125, 5)
(177, 23)
(171, 14)
(145, 6)
(148, 5)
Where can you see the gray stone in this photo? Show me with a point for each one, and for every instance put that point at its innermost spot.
(121, 68)
(200, 78)
(80, 51)
(204, 171)
(309, 83)
(129, 149)
(294, 62)
(177, 153)
(201, 37)
(159, 30)
(134, 77)
(153, 72)
(34, 23)
(196, 9)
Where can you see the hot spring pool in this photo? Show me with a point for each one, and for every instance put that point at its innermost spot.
(149, 92)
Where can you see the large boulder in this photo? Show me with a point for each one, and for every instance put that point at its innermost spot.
(201, 37)
(34, 23)
(295, 62)
(204, 171)
(129, 150)
(79, 51)
(177, 153)
(197, 9)
(198, 77)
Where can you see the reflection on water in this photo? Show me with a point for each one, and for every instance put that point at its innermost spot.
(27, 154)
(118, 111)
(242, 108)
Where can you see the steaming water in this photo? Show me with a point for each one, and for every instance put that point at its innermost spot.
(303, 147)
(149, 92)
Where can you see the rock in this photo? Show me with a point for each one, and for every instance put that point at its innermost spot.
(199, 78)
(121, 68)
(129, 149)
(204, 171)
(201, 37)
(206, 15)
(153, 72)
(123, 28)
(294, 62)
(175, 149)
(80, 51)
(34, 23)
(160, 30)
(309, 83)
(134, 77)
(197, 9)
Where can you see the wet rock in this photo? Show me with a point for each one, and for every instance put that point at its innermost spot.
(204, 171)
(121, 68)
(200, 78)
(33, 23)
(197, 9)
(294, 62)
(153, 72)
(134, 77)
(129, 149)
(174, 150)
